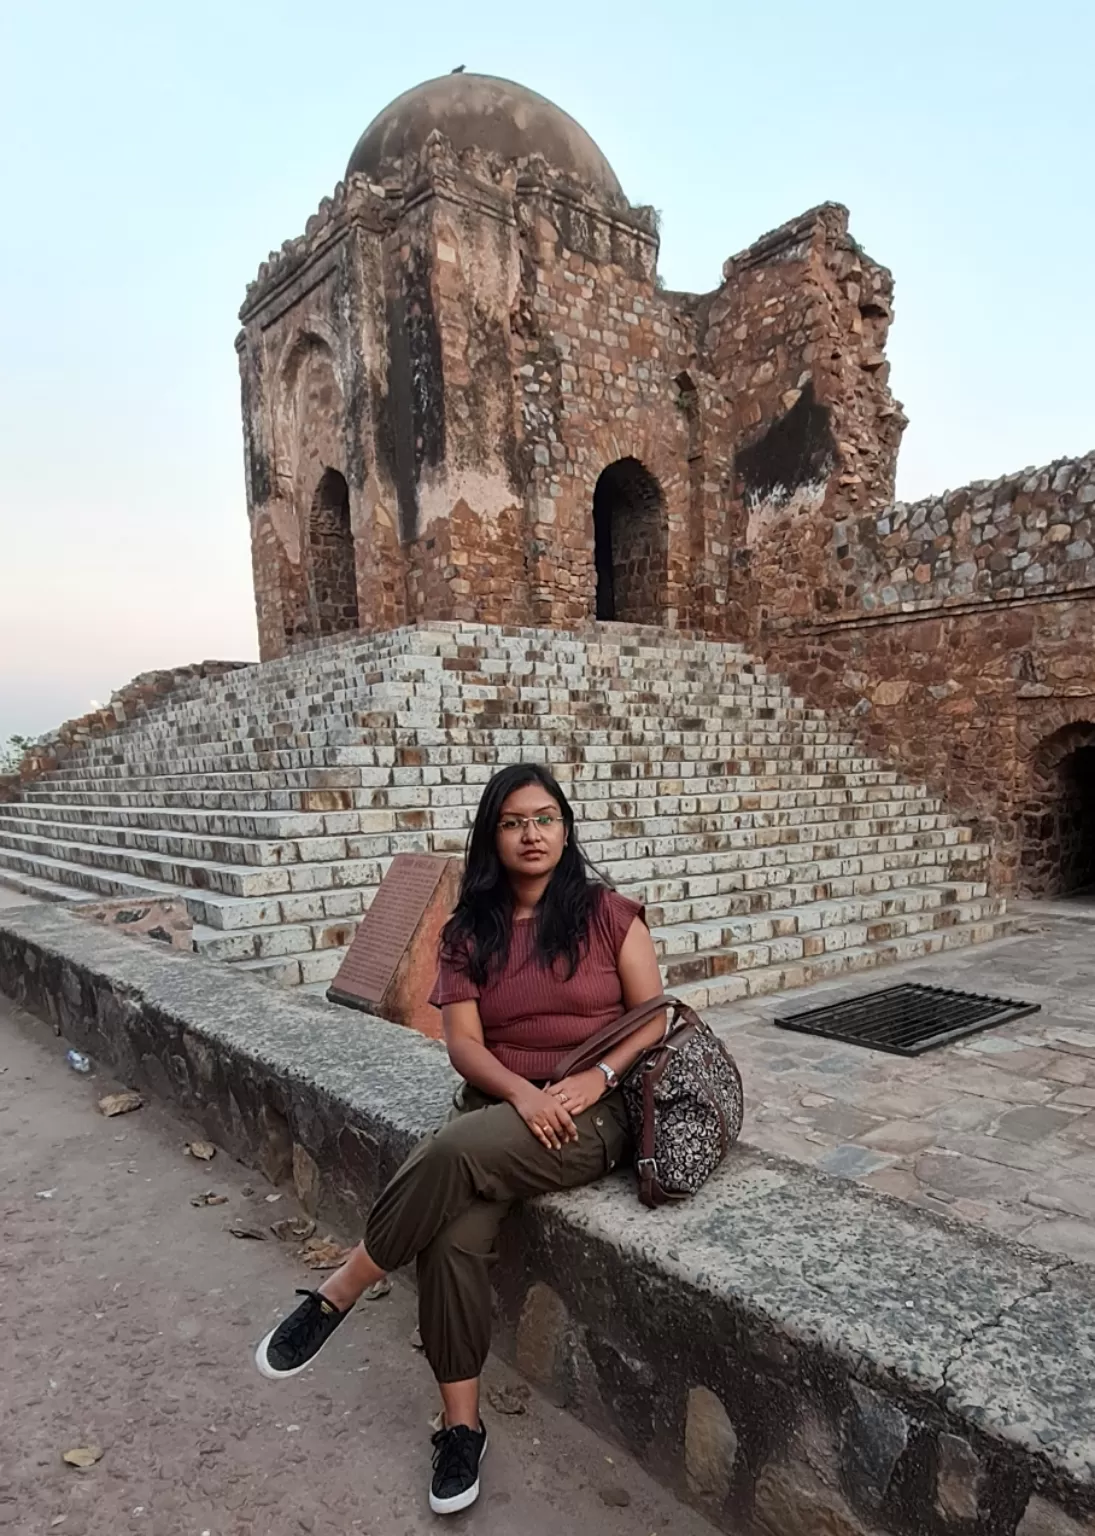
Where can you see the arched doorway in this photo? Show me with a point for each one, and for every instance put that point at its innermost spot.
(630, 544)
(331, 556)
(1058, 825)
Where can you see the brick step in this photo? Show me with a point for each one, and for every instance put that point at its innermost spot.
(690, 938)
(517, 746)
(831, 921)
(455, 810)
(34, 885)
(444, 727)
(755, 868)
(702, 899)
(731, 792)
(296, 970)
(383, 767)
(677, 692)
(179, 874)
(234, 913)
(598, 646)
(669, 696)
(605, 839)
(772, 844)
(81, 877)
(644, 761)
(783, 976)
(753, 981)
(619, 860)
(736, 728)
(151, 815)
(351, 678)
(716, 898)
(710, 964)
(276, 942)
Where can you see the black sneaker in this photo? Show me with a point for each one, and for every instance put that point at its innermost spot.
(298, 1338)
(457, 1453)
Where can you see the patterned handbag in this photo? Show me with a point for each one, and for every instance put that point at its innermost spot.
(684, 1098)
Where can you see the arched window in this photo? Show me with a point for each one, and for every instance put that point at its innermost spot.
(331, 555)
(630, 544)
(1058, 826)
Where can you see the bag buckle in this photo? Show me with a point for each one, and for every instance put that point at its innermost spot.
(647, 1162)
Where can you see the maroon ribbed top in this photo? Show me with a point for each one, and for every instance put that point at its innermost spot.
(532, 1017)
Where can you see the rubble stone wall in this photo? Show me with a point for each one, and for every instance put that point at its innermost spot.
(965, 645)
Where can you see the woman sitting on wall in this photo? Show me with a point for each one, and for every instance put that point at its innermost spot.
(537, 957)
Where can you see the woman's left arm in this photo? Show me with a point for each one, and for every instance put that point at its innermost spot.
(640, 980)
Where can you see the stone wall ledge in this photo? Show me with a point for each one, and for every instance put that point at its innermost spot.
(910, 613)
(796, 1355)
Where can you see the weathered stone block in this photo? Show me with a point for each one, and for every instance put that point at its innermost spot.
(540, 1334)
(1040, 1518)
(874, 1435)
(959, 1477)
(306, 1178)
(791, 1501)
(710, 1445)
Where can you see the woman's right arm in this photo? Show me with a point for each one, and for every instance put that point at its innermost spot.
(544, 1115)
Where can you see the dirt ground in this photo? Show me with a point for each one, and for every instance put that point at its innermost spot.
(129, 1317)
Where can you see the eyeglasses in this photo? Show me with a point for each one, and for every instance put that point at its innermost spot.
(543, 823)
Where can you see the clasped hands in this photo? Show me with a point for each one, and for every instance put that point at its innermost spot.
(549, 1112)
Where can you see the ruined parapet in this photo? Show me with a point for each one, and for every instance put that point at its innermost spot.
(797, 334)
(354, 201)
(144, 694)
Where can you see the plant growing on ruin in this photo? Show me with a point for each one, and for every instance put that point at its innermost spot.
(11, 754)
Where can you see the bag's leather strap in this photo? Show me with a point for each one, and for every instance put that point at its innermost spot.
(651, 1192)
(590, 1052)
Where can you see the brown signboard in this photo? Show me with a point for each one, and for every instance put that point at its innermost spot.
(391, 965)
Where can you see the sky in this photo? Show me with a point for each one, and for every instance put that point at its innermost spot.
(152, 153)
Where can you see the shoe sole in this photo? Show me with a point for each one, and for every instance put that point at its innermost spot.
(262, 1360)
(461, 1501)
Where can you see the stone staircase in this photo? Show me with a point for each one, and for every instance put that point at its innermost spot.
(769, 852)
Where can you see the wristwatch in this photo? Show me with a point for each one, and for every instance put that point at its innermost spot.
(610, 1077)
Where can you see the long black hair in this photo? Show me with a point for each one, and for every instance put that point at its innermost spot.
(476, 937)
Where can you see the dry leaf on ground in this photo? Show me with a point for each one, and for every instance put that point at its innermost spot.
(204, 1151)
(83, 1456)
(323, 1253)
(112, 1104)
(251, 1232)
(615, 1497)
(209, 1198)
(379, 1290)
(293, 1229)
(509, 1399)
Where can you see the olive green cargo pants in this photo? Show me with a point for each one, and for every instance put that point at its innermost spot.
(446, 1203)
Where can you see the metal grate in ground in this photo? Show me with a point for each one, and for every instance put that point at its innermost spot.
(906, 1020)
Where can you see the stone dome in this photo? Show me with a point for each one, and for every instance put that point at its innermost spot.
(482, 112)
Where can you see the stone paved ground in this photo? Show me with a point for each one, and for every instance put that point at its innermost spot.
(128, 1318)
(998, 1129)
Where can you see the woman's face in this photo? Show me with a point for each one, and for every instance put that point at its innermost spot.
(531, 832)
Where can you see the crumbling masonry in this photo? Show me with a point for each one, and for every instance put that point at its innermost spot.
(467, 397)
